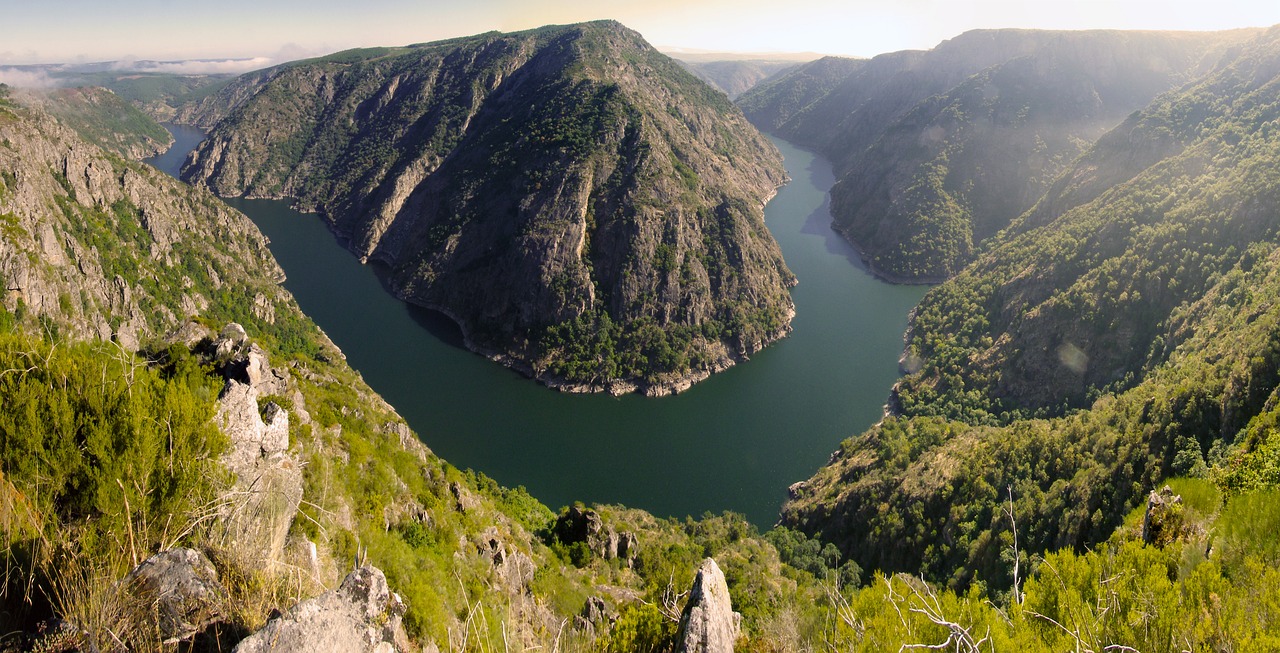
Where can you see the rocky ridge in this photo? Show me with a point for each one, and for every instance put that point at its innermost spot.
(585, 209)
(114, 250)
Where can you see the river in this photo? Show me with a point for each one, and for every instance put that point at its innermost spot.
(733, 442)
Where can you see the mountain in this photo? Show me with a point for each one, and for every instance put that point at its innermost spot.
(1122, 332)
(937, 151)
(105, 119)
(585, 209)
(217, 481)
(138, 427)
(735, 75)
(111, 249)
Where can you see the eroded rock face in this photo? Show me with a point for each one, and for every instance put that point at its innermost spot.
(361, 615)
(268, 486)
(184, 587)
(583, 525)
(709, 624)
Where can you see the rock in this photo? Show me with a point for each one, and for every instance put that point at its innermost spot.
(513, 568)
(268, 487)
(595, 611)
(190, 334)
(709, 624)
(583, 525)
(361, 615)
(184, 587)
(1163, 521)
(464, 501)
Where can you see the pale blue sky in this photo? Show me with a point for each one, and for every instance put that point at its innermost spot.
(95, 30)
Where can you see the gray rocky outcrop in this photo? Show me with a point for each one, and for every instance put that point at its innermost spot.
(362, 615)
(183, 587)
(586, 526)
(268, 488)
(709, 624)
(514, 569)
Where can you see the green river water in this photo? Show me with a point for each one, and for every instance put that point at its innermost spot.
(733, 442)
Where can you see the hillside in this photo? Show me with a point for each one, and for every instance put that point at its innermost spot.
(1081, 361)
(256, 458)
(137, 425)
(938, 150)
(586, 210)
(105, 119)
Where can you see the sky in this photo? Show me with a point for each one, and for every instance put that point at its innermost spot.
(269, 31)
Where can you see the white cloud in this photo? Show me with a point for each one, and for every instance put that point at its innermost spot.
(197, 66)
(19, 78)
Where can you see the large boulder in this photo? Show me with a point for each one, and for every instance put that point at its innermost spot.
(183, 586)
(361, 616)
(709, 624)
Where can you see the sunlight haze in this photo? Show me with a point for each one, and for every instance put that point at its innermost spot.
(279, 30)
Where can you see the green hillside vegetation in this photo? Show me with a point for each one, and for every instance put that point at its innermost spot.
(1078, 363)
(993, 116)
(157, 94)
(108, 121)
(543, 188)
(108, 454)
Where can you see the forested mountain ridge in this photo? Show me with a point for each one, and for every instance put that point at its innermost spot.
(1139, 325)
(938, 150)
(583, 207)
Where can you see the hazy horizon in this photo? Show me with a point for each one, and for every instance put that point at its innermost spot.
(81, 31)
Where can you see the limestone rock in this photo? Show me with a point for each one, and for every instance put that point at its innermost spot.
(709, 624)
(362, 615)
(184, 587)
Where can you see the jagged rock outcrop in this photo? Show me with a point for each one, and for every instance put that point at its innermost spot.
(586, 526)
(586, 210)
(361, 616)
(514, 568)
(709, 624)
(264, 499)
(183, 587)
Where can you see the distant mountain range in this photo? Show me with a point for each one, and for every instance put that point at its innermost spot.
(937, 150)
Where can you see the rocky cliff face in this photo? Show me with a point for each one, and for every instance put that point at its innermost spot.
(112, 250)
(937, 151)
(585, 209)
